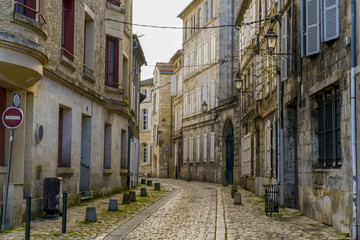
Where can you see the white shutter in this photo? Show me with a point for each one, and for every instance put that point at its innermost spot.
(204, 147)
(191, 147)
(173, 85)
(198, 57)
(268, 72)
(176, 119)
(198, 148)
(175, 154)
(185, 104)
(212, 147)
(201, 17)
(149, 118)
(213, 2)
(199, 101)
(212, 94)
(210, 9)
(213, 48)
(331, 19)
(284, 47)
(312, 27)
(206, 52)
(185, 154)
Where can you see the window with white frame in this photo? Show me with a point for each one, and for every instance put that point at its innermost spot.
(145, 153)
(206, 52)
(212, 146)
(191, 148)
(145, 118)
(198, 57)
(204, 152)
(198, 153)
(213, 48)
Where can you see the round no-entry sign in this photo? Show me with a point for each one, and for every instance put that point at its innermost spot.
(12, 117)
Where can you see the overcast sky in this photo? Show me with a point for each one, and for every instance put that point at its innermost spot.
(159, 45)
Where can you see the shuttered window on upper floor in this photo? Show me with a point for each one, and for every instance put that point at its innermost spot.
(319, 22)
(68, 27)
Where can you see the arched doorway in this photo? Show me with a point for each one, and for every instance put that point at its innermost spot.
(229, 151)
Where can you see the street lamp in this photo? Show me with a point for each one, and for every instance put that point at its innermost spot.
(204, 106)
(239, 84)
(163, 122)
(271, 39)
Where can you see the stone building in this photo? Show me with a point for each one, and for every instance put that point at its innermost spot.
(145, 163)
(298, 121)
(71, 64)
(161, 120)
(209, 106)
(177, 109)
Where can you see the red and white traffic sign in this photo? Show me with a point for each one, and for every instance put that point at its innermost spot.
(12, 117)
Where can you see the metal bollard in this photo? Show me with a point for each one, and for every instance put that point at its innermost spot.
(64, 215)
(28, 217)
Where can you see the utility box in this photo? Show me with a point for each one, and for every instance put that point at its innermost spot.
(51, 197)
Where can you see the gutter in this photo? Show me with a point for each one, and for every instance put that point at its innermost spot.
(353, 116)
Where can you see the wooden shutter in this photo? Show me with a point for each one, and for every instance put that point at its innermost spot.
(312, 27)
(68, 28)
(116, 63)
(60, 136)
(27, 12)
(331, 19)
(284, 47)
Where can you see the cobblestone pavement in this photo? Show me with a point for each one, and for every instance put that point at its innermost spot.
(196, 210)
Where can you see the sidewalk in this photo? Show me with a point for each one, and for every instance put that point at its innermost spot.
(77, 228)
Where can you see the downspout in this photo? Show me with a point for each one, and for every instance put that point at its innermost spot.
(129, 154)
(171, 133)
(232, 46)
(353, 115)
(280, 124)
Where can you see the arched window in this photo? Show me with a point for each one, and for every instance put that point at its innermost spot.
(145, 152)
(145, 119)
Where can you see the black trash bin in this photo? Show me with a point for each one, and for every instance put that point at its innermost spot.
(271, 198)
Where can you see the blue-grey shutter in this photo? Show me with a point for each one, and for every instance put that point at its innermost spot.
(303, 28)
(331, 19)
(284, 47)
(312, 27)
(210, 9)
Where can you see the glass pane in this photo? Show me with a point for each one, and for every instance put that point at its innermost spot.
(321, 119)
(329, 145)
(337, 111)
(322, 146)
(328, 117)
(338, 144)
(111, 61)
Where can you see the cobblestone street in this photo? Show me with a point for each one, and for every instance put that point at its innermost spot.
(192, 210)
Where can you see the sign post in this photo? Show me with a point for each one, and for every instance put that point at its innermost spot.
(12, 118)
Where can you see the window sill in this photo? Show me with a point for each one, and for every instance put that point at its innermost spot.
(64, 172)
(89, 76)
(115, 8)
(3, 169)
(107, 172)
(29, 23)
(113, 90)
(123, 171)
(67, 63)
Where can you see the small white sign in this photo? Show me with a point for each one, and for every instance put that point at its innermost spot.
(16, 100)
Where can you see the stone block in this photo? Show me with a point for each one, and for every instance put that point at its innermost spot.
(132, 196)
(143, 192)
(126, 198)
(113, 205)
(90, 214)
(143, 181)
(237, 198)
(157, 187)
(233, 191)
(149, 183)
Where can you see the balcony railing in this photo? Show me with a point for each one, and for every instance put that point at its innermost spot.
(19, 7)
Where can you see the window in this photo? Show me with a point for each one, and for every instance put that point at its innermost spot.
(64, 137)
(212, 146)
(198, 148)
(267, 136)
(112, 62)
(284, 60)
(29, 11)
(204, 147)
(68, 26)
(145, 153)
(2, 127)
(186, 30)
(191, 147)
(107, 146)
(206, 52)
(125, 81)
(329, 128)
(115, 2)
(198, 57)
(88, 44)
(145, 119)
(311, 16)
(154, 103)
(185, 150)
(211, 8)
(124, 137)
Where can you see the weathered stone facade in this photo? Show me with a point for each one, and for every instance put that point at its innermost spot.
(208, 81)
(68, 95)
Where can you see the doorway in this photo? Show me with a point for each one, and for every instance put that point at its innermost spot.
(229, 151)
(85, 154)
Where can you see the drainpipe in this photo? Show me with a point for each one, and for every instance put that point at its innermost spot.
(129, 154)
(280, 124)
(353, 114)
(232, 46)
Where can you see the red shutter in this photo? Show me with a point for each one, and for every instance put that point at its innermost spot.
(68, 28)
(2, 127)
(27, 12)
(61, 113)
(116, 63)
(107, 61)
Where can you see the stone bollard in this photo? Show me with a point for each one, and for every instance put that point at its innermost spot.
(126, 198)
(143, 192)
(157, 187)
(149, 183)
(90, 214)
(143, 181)
(237, 198)
(188, 179)
(132, 196)
(233, 191)
(113, 205)
(149, 175)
